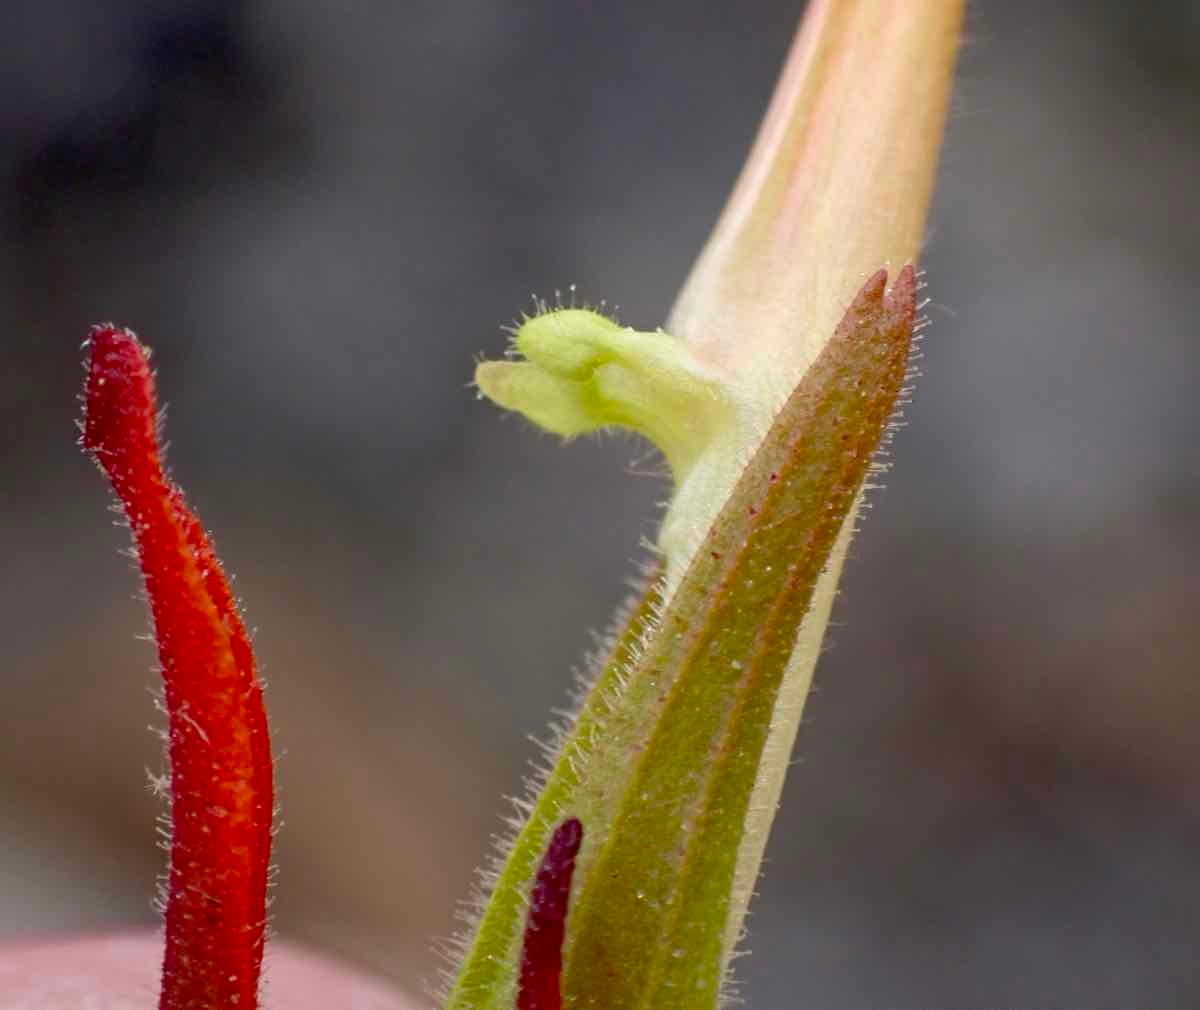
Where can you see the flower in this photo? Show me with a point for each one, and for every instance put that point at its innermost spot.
(768, 394)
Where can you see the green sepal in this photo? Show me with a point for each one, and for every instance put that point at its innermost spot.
(649, 921)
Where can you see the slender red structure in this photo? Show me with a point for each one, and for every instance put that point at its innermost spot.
(222, 790)
(546, 927)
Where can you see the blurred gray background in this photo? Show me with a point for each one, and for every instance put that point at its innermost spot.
(319, 214)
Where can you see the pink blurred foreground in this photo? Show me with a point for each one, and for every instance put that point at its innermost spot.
(121, 972)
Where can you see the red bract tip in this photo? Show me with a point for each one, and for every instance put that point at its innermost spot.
(545, 929)
(222, 794)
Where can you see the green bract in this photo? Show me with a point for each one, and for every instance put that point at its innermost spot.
(664, 757)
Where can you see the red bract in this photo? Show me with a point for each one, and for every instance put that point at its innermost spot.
(222, 793)
(545, 930)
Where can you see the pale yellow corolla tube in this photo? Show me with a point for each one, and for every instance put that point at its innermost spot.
(838, 184)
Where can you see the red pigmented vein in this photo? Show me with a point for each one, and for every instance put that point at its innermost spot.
(545, 929)
(222, 790)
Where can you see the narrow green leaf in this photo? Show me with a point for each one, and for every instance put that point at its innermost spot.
(650, 916)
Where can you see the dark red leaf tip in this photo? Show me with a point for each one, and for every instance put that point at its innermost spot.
(545, 929)
(222, 790)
